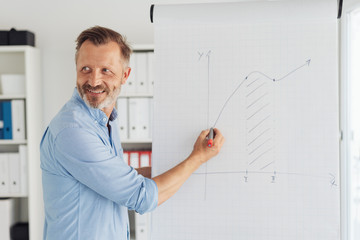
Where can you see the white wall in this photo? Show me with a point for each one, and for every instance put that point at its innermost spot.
(56, 25)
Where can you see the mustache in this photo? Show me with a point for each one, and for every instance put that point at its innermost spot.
(96, 88)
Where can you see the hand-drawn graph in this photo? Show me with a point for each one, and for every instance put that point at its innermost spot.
(258, 95)
(249, 79)
(246, 72)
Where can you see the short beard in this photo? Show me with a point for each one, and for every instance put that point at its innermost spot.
(107, 102)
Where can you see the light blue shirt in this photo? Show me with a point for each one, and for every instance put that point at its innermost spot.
(88, 188)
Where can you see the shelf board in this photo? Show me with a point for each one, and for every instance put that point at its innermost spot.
(12, 141)
(12, 96)
(136, 141)
(143, 47)
(15, 48)
(13, 195)
(149, 95)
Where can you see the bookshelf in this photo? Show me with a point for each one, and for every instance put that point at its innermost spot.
(133, 90)
(138, 86)
(25, 60)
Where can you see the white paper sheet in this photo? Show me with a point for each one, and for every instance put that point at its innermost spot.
(266, 75)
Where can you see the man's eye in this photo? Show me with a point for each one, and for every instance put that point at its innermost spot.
(85, 69)
(106, 70)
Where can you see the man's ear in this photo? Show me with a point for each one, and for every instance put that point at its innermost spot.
(125, 75)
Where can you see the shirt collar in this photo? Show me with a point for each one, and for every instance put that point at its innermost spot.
(97, 114)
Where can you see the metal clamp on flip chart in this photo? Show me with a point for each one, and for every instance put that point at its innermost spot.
(340, 3)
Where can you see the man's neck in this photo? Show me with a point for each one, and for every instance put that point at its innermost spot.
(108, 110)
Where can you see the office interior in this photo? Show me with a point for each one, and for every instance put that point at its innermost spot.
(57, 24)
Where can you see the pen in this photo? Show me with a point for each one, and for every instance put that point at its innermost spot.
(210, 138)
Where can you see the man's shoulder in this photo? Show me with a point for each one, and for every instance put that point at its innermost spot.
(70, 116)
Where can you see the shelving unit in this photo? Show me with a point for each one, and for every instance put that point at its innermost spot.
(138, 223)
(10, 97)
(26, 60)
(12, 142)
(142, 143)
(136, 95)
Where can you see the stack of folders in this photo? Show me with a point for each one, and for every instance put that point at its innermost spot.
(141, 79)
(138, 159)
(13, 173)
(135, 118)
(142, 226)
(12, 119)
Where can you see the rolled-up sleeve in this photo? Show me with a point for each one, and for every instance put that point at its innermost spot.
(93, 163)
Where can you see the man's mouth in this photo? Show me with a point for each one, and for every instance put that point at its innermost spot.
(96, 92)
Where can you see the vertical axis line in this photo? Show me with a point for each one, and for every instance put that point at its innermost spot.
(208, 113)
(273, 127)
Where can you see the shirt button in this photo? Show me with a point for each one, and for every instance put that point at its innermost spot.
(104, 119)
(95, 122)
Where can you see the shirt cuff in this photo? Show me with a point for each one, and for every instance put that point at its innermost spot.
(148, 197)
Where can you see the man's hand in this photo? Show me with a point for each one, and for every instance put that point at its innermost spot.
(201, 151)
(169, 182)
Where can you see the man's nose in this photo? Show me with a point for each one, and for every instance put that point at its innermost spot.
(95, 78)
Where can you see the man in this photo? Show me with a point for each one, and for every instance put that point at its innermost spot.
(88, 188)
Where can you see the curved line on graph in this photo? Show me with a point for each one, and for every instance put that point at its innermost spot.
(263, 74)
(253, 72)
(222, 109)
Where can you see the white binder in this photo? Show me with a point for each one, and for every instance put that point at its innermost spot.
(145, 159)
(139, 118)
(142, 84)
(151, 117)
(14, 173)
(142, 224)
(4, 174)
(134, 159)
(23, 170)
(8, 213)
(151, 71)
(18, 119)
(130, 86)
(126, 157)
(122, 107)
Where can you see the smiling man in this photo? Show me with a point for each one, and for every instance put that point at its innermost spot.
(87, 186)
(100, 74)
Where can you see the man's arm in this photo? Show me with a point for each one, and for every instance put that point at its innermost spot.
(170, 182)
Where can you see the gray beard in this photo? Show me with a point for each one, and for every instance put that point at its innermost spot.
(108, 101)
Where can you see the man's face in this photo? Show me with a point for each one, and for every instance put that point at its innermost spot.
(100, 74)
